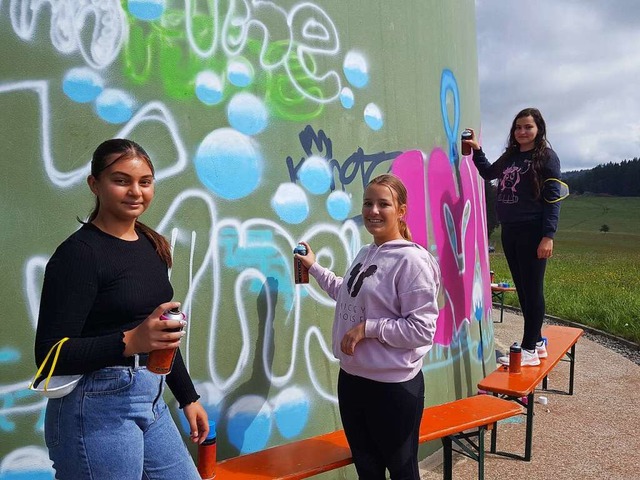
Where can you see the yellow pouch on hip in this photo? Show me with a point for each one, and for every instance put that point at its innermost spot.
(53, 386)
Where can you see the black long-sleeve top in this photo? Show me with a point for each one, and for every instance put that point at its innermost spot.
(96, 287)
(515, 201)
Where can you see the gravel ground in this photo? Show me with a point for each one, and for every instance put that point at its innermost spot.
(630, 351)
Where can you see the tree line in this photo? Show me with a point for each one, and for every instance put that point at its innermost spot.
(617, 179)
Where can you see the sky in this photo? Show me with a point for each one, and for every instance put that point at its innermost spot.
(577, 61)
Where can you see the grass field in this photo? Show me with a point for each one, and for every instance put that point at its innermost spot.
(593, 277)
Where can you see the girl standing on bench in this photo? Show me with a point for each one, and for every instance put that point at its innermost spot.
(385, 320)
(105, 288)
(527, 205)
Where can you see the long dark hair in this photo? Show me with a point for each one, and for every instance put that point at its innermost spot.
(397, 187)
(539, 156)
(126, 149)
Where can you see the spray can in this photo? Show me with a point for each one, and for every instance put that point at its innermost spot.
(300, 272)
(161, 361)
(207, 454)
(515, 358)
(466, 149)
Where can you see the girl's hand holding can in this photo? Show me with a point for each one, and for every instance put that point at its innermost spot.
(308, 259)
(154, 333)
(473, 141)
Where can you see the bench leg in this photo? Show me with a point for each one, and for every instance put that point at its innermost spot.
(529, 434)
(494, 438)
(572, 368)
(572, 365)
(447, 463)
(465, 441)
(499, 296)
(481, 452)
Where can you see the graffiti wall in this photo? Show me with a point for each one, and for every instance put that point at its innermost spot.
(265, 121)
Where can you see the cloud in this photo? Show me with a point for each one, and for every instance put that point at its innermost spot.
(578, 61)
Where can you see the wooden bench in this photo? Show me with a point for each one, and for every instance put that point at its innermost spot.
(561, 343)
(451, 422)
(497, 294)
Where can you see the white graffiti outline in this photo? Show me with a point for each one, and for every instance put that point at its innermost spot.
(347, 234)
(315, 332)
(234, 46)
(188, 11)
(33, 274)
(152, 111)
(68, 18)
(58, 178)
(26, 459)
(301, 50)
(306, 22)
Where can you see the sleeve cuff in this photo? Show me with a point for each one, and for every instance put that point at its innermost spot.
(315, 270)
(370, 328)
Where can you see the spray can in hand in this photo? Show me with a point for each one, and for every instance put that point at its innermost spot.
(466, 149)
(161, 361)
(207, 454)
(515, 358)
(300, 272)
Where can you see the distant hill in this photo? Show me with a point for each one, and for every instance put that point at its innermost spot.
(582, 214)
(617, 179)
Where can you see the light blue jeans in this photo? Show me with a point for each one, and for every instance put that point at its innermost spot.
(115, 425)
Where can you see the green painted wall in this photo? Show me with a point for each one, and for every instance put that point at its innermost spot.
(264, 122)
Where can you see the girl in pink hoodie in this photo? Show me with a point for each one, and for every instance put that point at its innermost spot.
(384, 324)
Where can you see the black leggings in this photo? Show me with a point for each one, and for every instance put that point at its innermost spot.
(381, 422)
(520, 244)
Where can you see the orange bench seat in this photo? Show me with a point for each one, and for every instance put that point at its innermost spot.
(561, 343)
(315, 455)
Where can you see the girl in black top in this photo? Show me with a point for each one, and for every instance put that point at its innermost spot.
(527, 204)
(105, 288)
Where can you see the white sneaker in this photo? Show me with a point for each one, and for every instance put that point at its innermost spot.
(529, 359)
(541, 349)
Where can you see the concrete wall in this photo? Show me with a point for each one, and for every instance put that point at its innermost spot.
(265, 121)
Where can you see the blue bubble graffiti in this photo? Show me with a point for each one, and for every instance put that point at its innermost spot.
(147, 10)
(346, 98)
(82, 85)
(229, 163)
(247, 113)
(114, 106)
(355, 69)
(209, 88)
(290, 203)
(339, 205)
(315, 175)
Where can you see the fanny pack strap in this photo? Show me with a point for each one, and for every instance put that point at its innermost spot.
(57, 346)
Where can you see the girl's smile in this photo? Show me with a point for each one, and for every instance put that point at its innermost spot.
(525, 132)
(381, 214)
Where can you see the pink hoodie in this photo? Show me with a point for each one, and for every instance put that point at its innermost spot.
(393, 288)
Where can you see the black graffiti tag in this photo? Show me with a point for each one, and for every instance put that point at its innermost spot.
(358, 163)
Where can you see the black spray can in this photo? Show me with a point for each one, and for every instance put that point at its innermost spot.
(466, 149)
(300, 272)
